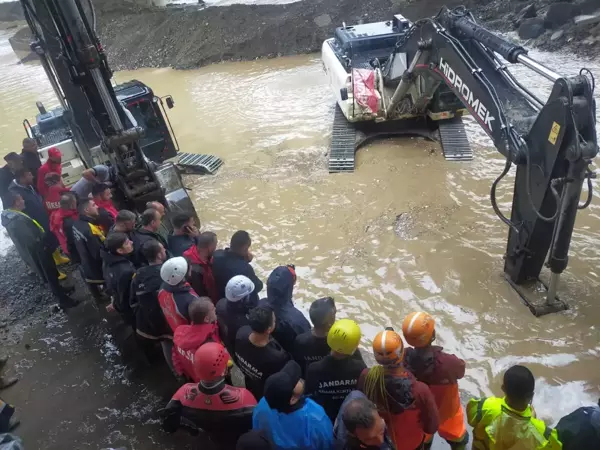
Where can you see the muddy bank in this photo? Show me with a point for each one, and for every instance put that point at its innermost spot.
(190, 36)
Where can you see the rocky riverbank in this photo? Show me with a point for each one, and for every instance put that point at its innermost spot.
(188, 36)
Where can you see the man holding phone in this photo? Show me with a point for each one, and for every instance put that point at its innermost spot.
(184, 235)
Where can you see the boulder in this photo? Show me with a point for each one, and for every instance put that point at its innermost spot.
(559, 14)
(557, 35)
(525, 13)
(531, 28)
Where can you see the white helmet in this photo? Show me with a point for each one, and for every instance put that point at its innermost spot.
(238, 287)
(174, 270)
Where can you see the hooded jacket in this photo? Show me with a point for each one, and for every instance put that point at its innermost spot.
(149, 318)
(409, 408)
(580, 430)
(175, 301)
(186, 340)
(118, 273)
(343, 440)
(32, 161)
(290, 322)
(89, 242)
(57, 220)
(202, 278)
(226, 265)
(46, 168)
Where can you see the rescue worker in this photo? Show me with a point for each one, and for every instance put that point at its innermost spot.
(90, 177)
(440, 371)
(34, 208)
(54, 190)
(287, 417)
(221, 410)
(163, 230)
(184, 234)
(176, 294)
(330, 380)
(580, 430)
(312, 346)
(7, 173)
(118, 272)
(125, 223)
(188, 338)
(61, 224)
(31, 157)
(232, 310)
(407, 405)
(259, 355)
(89, 242)
(52, 165)
(509, 422)
(199, 256)
(29, 239)
(149, 230)
(290, 321)
(359, 426)
(235, 260)
(102, 196)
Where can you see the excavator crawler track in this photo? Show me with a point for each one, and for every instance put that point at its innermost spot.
(455, 143)
(343, 144)
(207, 164)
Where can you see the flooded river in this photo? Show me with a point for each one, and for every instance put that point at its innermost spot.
(271, 122)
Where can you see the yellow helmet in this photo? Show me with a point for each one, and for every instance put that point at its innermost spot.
(344, 336)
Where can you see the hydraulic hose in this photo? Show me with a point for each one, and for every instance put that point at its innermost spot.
(590, 194)
(531, 204)
(502, 217)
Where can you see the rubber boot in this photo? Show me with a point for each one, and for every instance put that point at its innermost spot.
(66, 302)
(61, 276)
(59, 259)
(461, 445)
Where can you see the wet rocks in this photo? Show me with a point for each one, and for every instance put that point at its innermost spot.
(528, 12)
(531, 28)
(586, 20)
(560, 13)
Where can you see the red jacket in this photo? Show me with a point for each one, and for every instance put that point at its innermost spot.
(109, 206)
(47, 168)
(202, 277)
(441, 372)
(409, 410)
(57, 219)
(52, 197)
(186, 340)
(174, 302)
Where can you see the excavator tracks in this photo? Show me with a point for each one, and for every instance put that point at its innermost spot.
(343, 144)
(455, 143)
(206, 164)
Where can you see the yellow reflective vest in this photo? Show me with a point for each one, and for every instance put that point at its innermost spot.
(496, 426)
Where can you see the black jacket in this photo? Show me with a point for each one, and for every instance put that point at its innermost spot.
(6, 178)
(580, 430)
(118, 272)
(32, 162)
(226, 265)
(68, 231)
(141, 236)
(179, 243)
(231, 317)
(34, 208)
(89, 242)
(143, 300)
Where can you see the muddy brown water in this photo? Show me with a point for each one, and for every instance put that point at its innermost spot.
(270, 121)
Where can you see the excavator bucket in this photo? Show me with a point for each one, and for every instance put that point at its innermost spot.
(176, 194)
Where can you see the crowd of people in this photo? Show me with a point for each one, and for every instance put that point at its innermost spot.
(306, 386)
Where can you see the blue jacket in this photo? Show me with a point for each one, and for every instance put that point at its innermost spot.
(290, 321)
(307, 428)
(342, 441)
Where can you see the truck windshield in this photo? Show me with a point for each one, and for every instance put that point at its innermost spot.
(143, 112)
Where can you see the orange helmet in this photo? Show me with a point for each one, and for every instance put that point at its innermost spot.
(418, 329)
(388, 348)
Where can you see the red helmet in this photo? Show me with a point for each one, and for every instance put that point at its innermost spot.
(210, 361)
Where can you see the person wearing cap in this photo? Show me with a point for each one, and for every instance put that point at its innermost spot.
(52, 165)
(211, 405)
(188, 338)
(118, 272)
(232, 311)
(311, 346)
(259, 355)
(330, 380)
(407, 405)
(290, 321)
(359, 426)
(440, 371)
(287, 417)
(235, 260)
(509, 422)
(176, 294)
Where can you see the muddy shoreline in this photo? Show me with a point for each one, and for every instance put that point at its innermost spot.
(191, 36)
